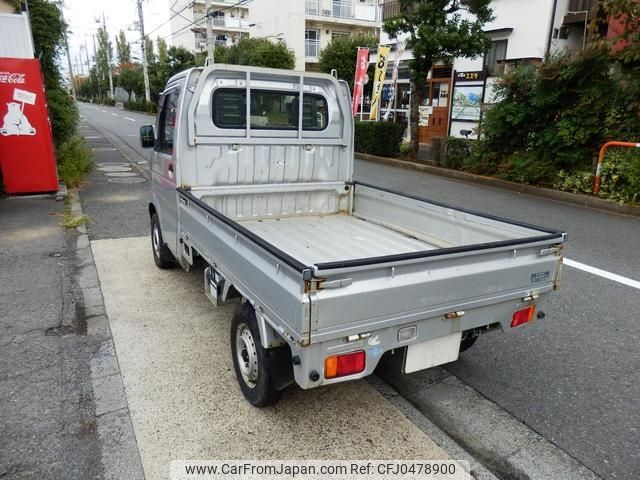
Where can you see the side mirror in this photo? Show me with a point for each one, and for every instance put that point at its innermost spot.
(147, 136)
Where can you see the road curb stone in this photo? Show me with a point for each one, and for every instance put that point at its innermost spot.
(119, 449)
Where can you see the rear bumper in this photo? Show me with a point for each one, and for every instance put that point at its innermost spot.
(376, 342)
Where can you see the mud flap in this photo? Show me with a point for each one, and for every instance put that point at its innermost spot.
(281, 367)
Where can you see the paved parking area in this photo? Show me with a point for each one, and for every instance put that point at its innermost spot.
(173, 351)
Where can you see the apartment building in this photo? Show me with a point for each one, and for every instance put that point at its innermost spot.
(522, 32)
(307, 26)
(230, 20)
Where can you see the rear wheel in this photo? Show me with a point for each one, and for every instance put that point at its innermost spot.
(469, 337)
(251, 359)
(162, 256)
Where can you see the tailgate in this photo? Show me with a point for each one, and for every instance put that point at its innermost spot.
(362, 298)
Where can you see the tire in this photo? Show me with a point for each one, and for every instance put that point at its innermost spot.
(469, 337)
(251, 359)
(162, 256)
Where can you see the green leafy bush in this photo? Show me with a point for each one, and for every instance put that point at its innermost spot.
(63, 114)
(455, 152)
(75, 161)
(378, 138)
(141, 106)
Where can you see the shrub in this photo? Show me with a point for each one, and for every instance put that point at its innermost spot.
(378, 138)
(455, 151)
(141, 106)
(63, 114)
(75, 161)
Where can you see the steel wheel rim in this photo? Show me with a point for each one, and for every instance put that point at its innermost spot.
(247, 355)
(155, 239)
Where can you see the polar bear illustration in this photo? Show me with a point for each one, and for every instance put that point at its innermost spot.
(15, 121)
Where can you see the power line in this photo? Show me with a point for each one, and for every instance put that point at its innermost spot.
(175, 14)
(241, 3)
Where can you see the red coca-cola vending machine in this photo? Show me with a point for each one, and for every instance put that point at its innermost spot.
(27, 157)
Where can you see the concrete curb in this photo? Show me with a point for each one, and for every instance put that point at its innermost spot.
(431, 430)
(555, 195)
(120, 455)
(486, 432)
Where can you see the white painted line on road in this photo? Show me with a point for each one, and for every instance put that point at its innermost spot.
(130, 119)
(602, 273)
(104, 111)
(132, 135)
(94, 136)
(115, 114)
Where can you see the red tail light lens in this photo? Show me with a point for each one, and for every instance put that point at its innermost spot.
(343, 365)
(523, 316)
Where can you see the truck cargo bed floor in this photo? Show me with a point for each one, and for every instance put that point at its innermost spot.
(315, 239)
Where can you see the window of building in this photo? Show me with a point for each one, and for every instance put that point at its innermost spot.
(269, 110)
(167, 122)
(311, 43)
(336, 34)
(497, 52)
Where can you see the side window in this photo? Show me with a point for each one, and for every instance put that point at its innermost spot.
(167, 122)
(498, 51)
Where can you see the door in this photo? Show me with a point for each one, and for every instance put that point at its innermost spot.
(164, 167)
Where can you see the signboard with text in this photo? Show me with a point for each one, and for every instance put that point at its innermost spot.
(362, 64)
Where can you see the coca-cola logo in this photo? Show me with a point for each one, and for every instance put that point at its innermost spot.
(11, 77)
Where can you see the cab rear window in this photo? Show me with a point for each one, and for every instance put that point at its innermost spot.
(270, 110)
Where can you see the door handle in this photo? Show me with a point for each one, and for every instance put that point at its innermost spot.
(170, 169)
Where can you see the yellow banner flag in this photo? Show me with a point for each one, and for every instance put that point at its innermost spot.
(378, 80)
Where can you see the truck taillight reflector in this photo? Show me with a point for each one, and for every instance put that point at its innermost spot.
(343, 365)
(523, 316)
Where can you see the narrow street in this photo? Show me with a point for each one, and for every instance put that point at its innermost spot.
(573, 377)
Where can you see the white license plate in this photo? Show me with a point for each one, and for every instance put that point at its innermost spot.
(432, 352)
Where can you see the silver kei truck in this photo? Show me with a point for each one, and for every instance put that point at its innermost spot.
(253, 176)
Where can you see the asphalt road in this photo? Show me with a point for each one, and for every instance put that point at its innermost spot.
(573, 377)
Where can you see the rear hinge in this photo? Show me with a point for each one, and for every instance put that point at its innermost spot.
(321, 284)
(550, 251)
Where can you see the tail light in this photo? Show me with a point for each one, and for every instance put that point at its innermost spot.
(523, 316)
(343, 365)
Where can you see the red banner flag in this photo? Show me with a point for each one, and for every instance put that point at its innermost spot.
(361, 72)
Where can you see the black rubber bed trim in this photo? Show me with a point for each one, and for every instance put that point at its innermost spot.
(276, 252)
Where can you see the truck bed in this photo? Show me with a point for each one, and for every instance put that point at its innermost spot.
(329, 238)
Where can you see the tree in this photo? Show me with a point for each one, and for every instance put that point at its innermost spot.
(103, 54)
(148, 49)
(259, 52)
(49, 29)
(626, 13)
(131, 79)
(123, 49)
(438, 30)
(163, 57)
(341, 54)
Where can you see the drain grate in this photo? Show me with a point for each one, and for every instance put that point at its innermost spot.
(114, 169)
(121, 174)
(127, 180)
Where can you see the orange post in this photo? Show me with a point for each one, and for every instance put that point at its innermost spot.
(603, 150)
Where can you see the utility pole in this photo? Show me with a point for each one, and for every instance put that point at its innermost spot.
(95, 59)
(145, 69)
(104, 25)
(210, 44)
(71, 76)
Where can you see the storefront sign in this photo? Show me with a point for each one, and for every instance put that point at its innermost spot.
(467, 102)
(381, 72)
(470, 76)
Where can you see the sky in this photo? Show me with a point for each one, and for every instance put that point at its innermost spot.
(119, 14)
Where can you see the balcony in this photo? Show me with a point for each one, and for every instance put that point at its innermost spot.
(311, 48)
(344, 9)
(579, 9)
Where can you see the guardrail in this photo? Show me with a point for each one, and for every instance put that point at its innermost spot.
(603, 150)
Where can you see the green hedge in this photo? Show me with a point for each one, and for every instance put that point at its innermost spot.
(378, 138)
(141, 106)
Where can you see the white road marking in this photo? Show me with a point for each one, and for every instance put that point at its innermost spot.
(130, 119)
(93, 136)
(132, 135)
(104, 111)
(603, 273)
(115, 114)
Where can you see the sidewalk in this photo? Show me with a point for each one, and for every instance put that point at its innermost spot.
(53, 353)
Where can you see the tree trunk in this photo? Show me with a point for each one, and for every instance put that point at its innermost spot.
(417, 97)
